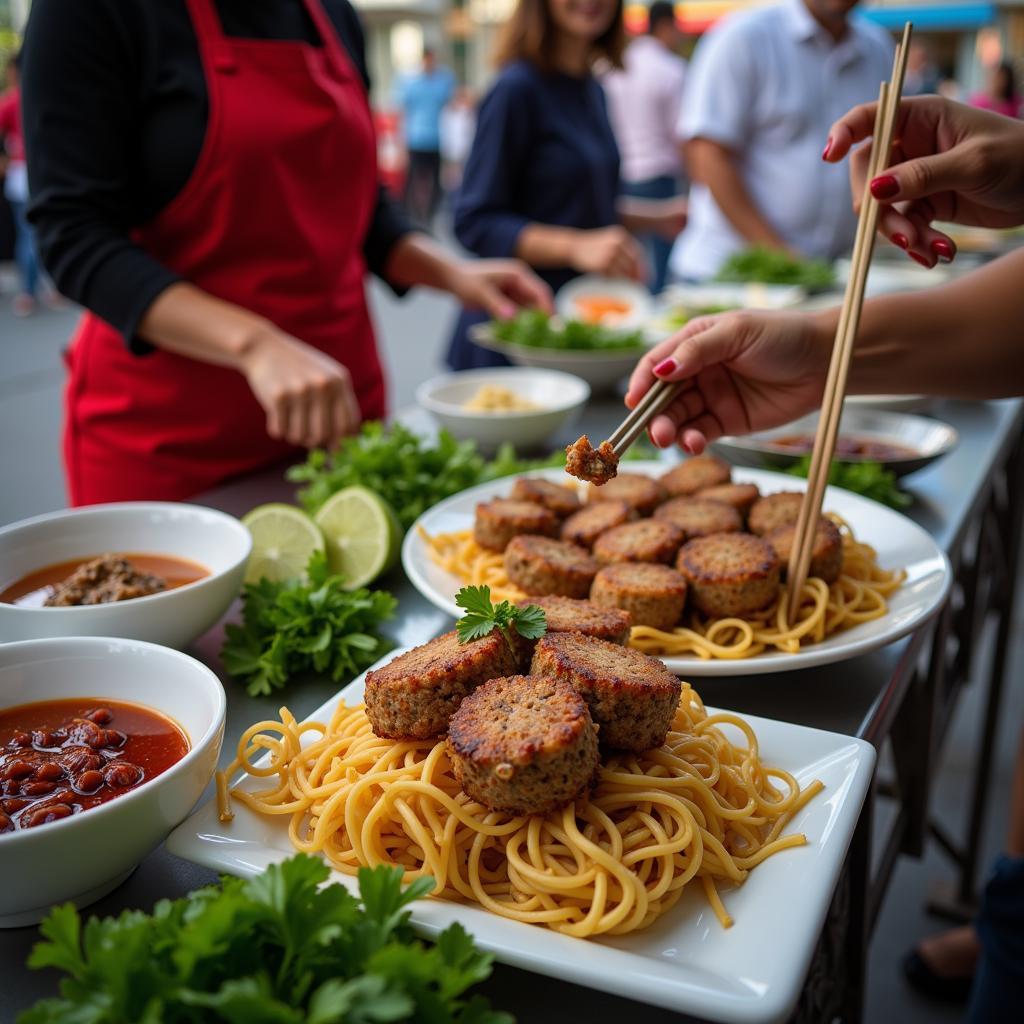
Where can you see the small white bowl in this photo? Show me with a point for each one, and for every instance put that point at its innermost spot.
(591, 286)
(560, 396)
(175, 617)
(83, 857)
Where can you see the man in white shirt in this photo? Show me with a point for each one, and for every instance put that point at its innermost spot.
(643, 104)
(764, 88)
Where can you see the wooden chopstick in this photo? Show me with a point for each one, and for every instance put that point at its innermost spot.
(846, 334)
(638, 412)
(658, 398)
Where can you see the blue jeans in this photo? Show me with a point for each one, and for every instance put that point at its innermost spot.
(25, 249)
(658, 249)
(998, 991)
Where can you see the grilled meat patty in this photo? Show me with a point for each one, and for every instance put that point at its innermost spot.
(654, 595)
(826, 552)
(540, 565)
(585, 526)
(523, 744)
(498, 521)
(730, 573)
(414, 696)
(640, 493)
(695, 474)
(740, 496)
(561, 500)
(697, 517)
(632, 697)
(774, 510)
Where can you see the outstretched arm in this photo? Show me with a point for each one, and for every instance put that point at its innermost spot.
(750, 371)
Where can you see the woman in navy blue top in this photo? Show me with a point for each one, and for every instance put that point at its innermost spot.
(542, 180)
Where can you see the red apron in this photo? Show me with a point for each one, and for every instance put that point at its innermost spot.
(273, 219)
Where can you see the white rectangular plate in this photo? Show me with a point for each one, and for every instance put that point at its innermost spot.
(751, 973)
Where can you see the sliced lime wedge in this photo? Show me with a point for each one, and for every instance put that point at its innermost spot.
(363, 535)
(283, 538)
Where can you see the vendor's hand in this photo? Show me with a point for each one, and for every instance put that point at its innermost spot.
(950, 163)
(308, 396)
(499, 287)
(612, 252)
(672, 220)
(745, 371)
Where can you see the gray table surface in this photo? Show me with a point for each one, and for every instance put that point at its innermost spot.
(844, 697)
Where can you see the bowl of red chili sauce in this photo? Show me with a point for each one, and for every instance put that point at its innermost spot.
(163, 572)
(105, 747)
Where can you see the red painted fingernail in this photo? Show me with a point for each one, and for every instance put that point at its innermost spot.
(884, 187)
(828, 146)
(901, 241)
(921, 260)
(943, 250)
(666, 366)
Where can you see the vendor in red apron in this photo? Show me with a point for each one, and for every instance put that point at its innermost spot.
(203, 181)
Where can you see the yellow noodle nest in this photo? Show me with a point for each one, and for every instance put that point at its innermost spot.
(698, 807)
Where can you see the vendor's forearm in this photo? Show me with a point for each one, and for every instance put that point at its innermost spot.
(190, 322)
(416, 259)
(544, 245)
(714, 166)
(962, 340)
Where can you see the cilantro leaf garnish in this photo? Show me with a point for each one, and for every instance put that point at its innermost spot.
(482, 617)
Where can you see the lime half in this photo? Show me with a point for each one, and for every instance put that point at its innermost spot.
(363, 535)
(283, 538)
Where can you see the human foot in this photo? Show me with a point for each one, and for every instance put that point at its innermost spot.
(942, 966)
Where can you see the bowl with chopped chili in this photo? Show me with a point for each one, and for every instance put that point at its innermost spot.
(163, 572)
(105, 746)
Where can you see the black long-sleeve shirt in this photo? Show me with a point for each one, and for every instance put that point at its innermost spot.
(115, 111)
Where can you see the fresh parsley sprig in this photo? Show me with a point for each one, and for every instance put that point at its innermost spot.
(311, 625)
(871, 479)
(482, 617)
(280, 948)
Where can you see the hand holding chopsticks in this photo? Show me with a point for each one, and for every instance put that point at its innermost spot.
(846, 334)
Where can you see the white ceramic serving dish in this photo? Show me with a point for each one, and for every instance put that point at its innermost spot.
(899, 541)
(929, 439)
(889, 403)
(601, 370)
(83, 857)
(694, 298)
(559, 397)
(594, 286)
(902, 276)
(751, 973)
(173, 617)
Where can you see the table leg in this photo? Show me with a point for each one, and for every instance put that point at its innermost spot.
(1007, 511)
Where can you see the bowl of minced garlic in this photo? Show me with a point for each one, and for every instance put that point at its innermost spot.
(524, 405)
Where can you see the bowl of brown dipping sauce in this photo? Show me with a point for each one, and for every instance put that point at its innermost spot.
(105, 747)
(900, 442)
(157, 571)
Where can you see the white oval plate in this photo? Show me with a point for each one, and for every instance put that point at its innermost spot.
(899, 541)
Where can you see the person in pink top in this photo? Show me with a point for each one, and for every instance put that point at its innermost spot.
(643, 105)
(12, 146)
(1001, 96)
